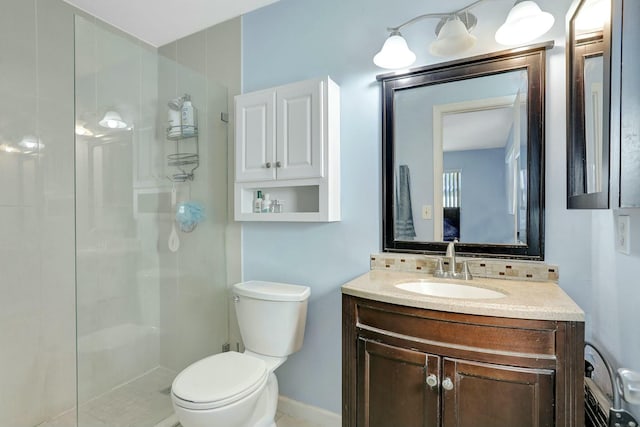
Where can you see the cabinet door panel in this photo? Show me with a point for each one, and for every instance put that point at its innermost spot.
(255, 136)
(486, 395)
(392, 388)
(300, 131)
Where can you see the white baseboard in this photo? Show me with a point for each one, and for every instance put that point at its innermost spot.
(313, 414)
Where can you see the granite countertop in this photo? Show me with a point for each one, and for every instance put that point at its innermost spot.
(522, 300)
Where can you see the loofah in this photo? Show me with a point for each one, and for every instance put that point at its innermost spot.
(188, 215)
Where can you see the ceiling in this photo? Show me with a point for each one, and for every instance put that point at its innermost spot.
(477, 130)
(159, 22)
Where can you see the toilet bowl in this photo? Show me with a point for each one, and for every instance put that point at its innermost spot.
(240, 389)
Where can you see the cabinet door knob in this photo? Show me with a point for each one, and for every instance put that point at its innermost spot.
(268, 165)
(278, 164)
(432, 381)
(447, 384)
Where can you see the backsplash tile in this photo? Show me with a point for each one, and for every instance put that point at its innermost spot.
(480, 267)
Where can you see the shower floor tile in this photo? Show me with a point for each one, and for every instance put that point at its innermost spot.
(143, 402)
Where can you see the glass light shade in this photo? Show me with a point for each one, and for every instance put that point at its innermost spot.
(453, 38)
(524, 23)
(112, 120)
(395, 53)
(593, 15)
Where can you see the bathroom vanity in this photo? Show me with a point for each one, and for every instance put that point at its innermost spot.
(504, 350)
(417, 360)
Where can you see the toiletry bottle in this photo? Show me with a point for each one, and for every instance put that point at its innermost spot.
(174, 123)
(257, 202)
(188, 117)
(266, 203)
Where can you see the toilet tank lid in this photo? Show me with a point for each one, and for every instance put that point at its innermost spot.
(272, 291)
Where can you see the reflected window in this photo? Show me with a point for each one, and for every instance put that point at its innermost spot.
(451, 195)
(451, 181)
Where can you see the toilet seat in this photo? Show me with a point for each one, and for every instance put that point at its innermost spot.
(219, 380)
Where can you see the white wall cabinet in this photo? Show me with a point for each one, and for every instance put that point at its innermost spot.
(288, 145)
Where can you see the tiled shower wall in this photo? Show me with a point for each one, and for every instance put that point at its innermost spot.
(37, 312)
(37, 230)
(214, 53)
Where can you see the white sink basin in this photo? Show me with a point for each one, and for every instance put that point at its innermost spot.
(449, 290)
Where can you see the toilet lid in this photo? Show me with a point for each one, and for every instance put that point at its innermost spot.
(226, 376)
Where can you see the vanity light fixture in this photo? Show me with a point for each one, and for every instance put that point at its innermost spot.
(524, 23)
(112, 120)
(394, 53)
(453, 38)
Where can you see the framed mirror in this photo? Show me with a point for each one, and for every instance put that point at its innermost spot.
(588, 103)
(463, 156)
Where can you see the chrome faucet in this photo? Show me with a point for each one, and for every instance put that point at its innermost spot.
(452, 273)
(451, 254)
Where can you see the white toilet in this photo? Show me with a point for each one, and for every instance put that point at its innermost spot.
(240, 389)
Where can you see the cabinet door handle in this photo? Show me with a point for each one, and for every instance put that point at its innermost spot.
(447, 384)
(432, 381)
(278, 164)
(268, 165)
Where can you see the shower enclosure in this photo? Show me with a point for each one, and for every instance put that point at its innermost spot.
(144, 311)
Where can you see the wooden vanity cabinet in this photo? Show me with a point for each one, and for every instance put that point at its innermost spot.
(410, 367)
(393, 390)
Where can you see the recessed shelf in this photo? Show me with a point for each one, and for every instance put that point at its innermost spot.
(302, 202)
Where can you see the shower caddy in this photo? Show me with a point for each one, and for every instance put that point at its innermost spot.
(185, 161)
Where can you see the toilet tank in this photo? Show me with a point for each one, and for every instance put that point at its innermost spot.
(272, 316)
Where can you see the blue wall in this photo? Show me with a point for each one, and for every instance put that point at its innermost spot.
(483, 214)
(297, 39)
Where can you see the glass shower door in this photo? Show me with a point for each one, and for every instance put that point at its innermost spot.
(144, 312)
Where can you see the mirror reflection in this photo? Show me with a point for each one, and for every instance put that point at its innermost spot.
(463, 156)
(593, 77)
(460, 160)
(588, 126)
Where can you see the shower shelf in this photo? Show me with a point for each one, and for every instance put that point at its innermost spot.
(185, 162)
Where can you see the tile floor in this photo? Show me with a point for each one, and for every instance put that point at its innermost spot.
(283, 420)
(144, 402)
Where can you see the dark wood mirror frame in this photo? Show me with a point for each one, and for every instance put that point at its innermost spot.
(578, 50)
(529, 58)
